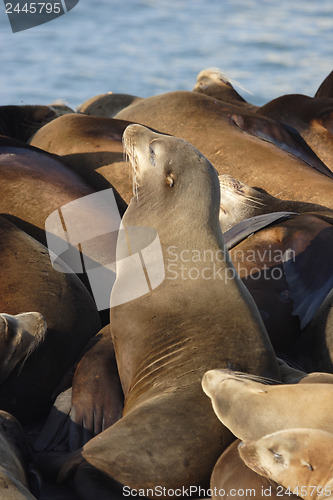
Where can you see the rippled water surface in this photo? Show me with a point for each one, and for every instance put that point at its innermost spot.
(146, 47)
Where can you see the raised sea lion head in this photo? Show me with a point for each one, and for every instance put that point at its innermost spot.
(19, 336)
(171, 172)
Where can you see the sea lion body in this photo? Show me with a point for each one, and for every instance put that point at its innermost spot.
(299, 459)
(161, 350)
(17, 475)
(21, 122)
(59, 208)
(30, 283)
(270, 406)
(106, 105)
(222, 136)
(287, 266)
(93, 146)
(34, 185)
(94, 402)
(312, 117)
(235, 147)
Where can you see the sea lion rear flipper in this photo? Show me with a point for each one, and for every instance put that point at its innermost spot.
(283, 136)
(309, 275)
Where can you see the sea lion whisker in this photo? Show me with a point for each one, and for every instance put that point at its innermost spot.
(252, 199)
(241, 194)
(255, 378)
(235, 189)
(242, 198)
(218, 74)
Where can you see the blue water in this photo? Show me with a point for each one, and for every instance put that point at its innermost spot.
(147, 47)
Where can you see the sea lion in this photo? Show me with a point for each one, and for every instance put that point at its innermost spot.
(214, 83)
(231, 478)
(92, 146)
(232, 142)
(30, 283)
(18, 478)
(106, 105)
(272, 407)
(161, 350)
(239, 144)
(21, 122)
(326, 88)
(311, 116)
(299, 459)
(26, 171)
(61, 108)
(19, 336)
(240, 201)
(287, 267)
(59, 208)
(94, 402)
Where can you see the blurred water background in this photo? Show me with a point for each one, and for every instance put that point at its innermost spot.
(147, 47)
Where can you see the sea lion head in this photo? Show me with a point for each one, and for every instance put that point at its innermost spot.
(292, 457)
(226, 387)
(171, 172)
(238, 202)
(19, 336)
(214, 83)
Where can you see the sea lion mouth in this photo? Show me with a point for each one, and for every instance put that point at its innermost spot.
(249, 457)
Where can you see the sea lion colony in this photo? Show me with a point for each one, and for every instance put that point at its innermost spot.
(222, 265)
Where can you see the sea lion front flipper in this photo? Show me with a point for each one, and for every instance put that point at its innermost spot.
(247, 227)
(283, 136)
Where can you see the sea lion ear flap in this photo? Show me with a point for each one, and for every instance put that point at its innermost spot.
(170, 179)
(3, 326)
(307, 464)
(326, 120)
